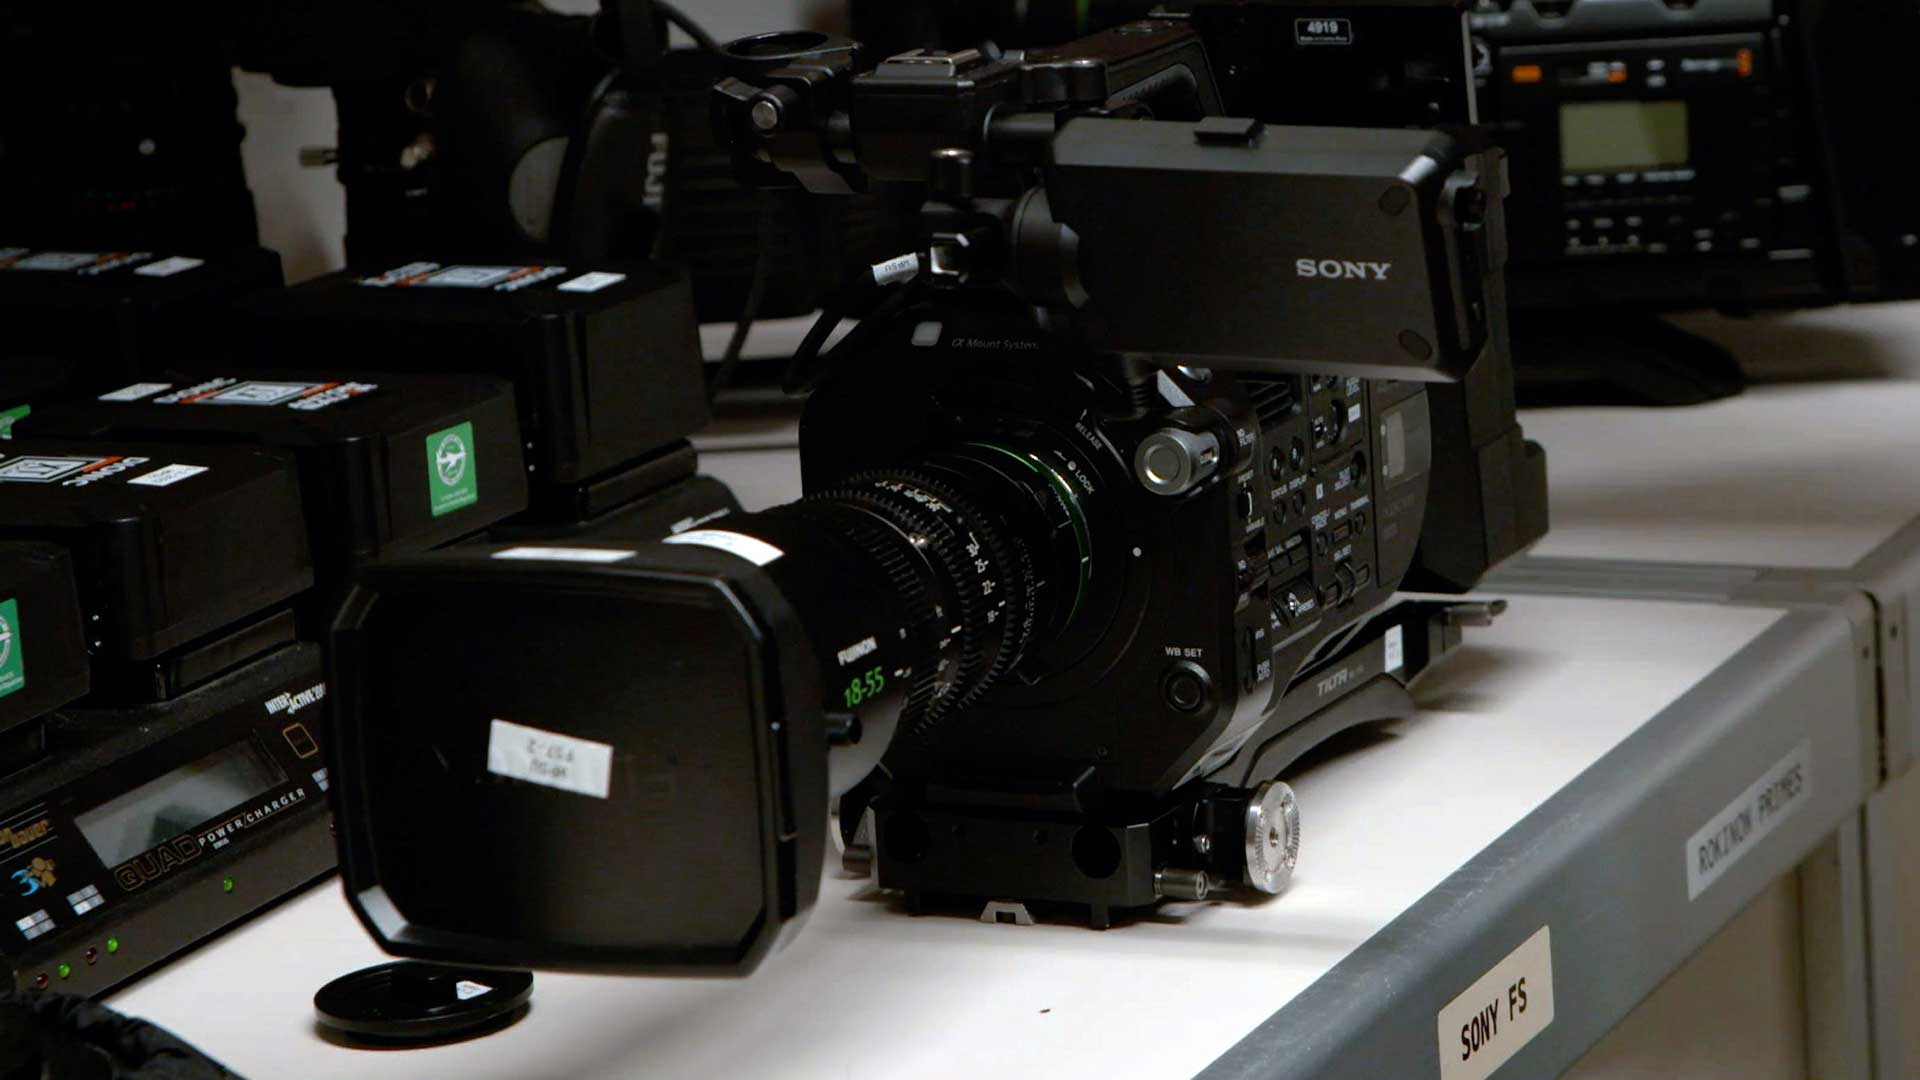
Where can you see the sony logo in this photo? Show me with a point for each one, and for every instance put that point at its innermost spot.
(1338, 269)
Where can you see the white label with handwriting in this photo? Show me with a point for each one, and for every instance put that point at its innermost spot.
(581, 766)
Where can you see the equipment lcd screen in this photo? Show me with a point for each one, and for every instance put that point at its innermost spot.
(1612, 136)
(178, 802)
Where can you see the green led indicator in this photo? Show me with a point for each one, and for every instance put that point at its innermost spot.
(226, 884)
(864, 686)
(64, 970)
(113, 944)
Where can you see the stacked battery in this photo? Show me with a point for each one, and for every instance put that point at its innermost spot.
(387, 464)
(193, 471)
(605, 362)
(75, 322)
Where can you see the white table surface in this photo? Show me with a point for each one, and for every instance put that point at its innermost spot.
(1794, 474)
(868, 991)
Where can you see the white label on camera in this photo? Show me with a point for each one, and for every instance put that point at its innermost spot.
(758, 552)
(592, 282)
(897, 269)
(1503, 1011)
(566, 554)
(1747, 820)
(137, 391)
(549, 758)
(178, 264)
(168, 476)
(1396, 645)
(467, 989)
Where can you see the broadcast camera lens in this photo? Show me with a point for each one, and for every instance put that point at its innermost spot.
(981, 551)
(656, 720)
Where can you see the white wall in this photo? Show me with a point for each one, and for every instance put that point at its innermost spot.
(301, 211)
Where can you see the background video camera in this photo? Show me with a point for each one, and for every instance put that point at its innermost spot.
(1107, 493)
(490, 131)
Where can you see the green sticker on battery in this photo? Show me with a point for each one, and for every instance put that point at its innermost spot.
(452, 481)
(13, 665)
(8, 416)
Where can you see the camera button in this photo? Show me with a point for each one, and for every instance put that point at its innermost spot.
(1185, 686)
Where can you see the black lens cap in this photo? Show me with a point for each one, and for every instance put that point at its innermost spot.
(416, 1004)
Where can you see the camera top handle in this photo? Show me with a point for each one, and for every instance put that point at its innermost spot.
(1099, 181)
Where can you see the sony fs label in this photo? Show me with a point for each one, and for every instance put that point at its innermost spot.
(453, 483)
(13, 666)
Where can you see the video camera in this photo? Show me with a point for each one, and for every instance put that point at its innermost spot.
(1108, 494)
(490, 130)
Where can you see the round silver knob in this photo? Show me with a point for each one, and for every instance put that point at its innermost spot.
(1175, 884)
(1273, 837)
(1171, 461)
(765, 114)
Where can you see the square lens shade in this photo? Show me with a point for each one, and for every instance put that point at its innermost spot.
(577, 776)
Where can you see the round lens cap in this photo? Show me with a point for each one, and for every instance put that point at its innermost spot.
(416, 1004)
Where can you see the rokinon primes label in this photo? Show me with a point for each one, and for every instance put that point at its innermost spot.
(549, 758)
(453, 483)
(13, 664)
(1729, 835)
(1503, 1010)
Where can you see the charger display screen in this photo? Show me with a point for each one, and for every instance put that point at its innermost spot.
(1618, 136)
(178, 802)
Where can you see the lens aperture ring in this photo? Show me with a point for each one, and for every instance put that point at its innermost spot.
(983, 572)
(907, 575)
(957, 649)
(1001, 579)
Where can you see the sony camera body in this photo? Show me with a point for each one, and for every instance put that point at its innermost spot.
(1107, 495)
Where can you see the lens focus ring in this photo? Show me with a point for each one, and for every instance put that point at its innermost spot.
(983, 572)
